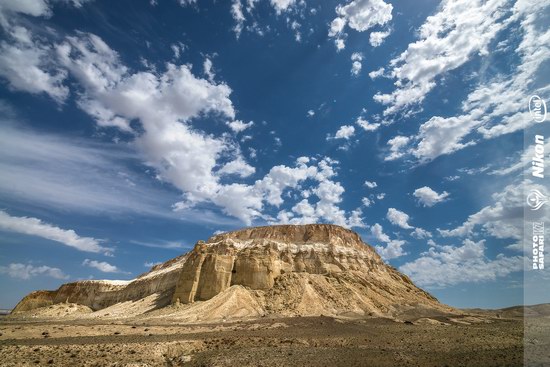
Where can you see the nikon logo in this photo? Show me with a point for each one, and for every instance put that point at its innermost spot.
(538, 158)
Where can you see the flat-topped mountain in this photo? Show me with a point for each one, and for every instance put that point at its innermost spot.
(285, 270)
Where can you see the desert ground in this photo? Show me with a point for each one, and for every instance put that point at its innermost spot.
(476, 339)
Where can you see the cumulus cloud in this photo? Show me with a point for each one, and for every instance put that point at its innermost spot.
(397, 147)
(356, 65)
(11, 8)
(282, 5)
(359, 15)
(27, 67)
(371, 184)
(208, 69)
(27, 61)
(444, 266)
(365, 125)
(328, 194)
(420, 233)
(392, 249)
(237, 167)
(239, 126)
(35, 227)
(102, 266)
(444, 44)
(27, 271)
(428, 197)
(377, 38)
(344, 132)
(398, 218)
(376, 73)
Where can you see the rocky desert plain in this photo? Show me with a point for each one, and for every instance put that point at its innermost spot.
(291, 295)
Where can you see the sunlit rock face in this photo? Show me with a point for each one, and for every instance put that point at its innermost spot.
(320, 261)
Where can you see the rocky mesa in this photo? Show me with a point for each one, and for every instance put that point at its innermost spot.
(283, 270)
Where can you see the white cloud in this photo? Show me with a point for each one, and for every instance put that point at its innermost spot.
(367, 126)
(239, 126)
(237, 167)
(397, 147)
(344, 132)
(27, 271)
(377, 38)
(381, 196)
(310, 113)
(356, 68)
(28, 68)
(167, 245)
(356, 65)
(207, 67)
(359, 15)
(340, 44)
(428, 197)
(393, 248)
(440, 136)
(371, 184)
(178, 49)
(398, 218)
(282, 5)
(452, 178)
(329, 195)
(102, 266)
(366, 201)
(420, 233)
(378, 232)
(463, 264)
(238, 17)
(27, 61)
(35, 227)
(187, 2)
(377, 73)
(11, 8)
(446, 42)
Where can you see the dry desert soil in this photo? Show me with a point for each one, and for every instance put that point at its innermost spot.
(299, 341)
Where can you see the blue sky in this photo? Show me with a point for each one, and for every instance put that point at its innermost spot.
(132, 129)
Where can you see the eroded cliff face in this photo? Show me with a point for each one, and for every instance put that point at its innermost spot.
(255, 257)
(298, 269)
(99, 294)
(284, 270)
